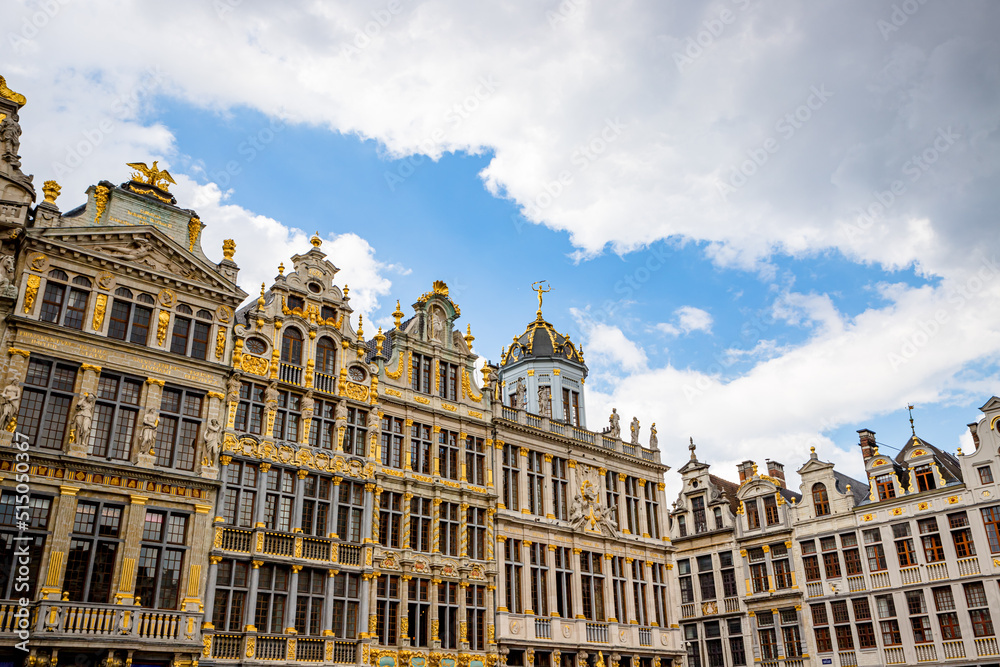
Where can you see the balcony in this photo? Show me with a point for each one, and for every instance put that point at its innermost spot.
(856, 583)
(325, 383)
(926, 653)
(597, 633)
(60, 618)
(270, 648)
(543, 628)
(848, 659)
(272, 543)
(894, 656)
(731, 605)
(687, 610)
(910, 575)
(987, 647)
(953, 650)
(880, 580)
(576, 433)
(968, 567)
(290, 374)
(645, 637)
(936, 571)
(814, 590)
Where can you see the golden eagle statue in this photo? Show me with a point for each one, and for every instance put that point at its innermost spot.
(151, 175)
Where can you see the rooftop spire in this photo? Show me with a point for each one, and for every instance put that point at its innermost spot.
(913, 430)
(692, 447)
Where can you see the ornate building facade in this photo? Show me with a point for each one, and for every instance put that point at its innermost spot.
(190, 477)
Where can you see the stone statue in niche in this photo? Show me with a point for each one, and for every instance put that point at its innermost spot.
(271, 395)
(521, 395)
(213, 436)
(147, 434)
(308, 403)
(7, 287)
(10, 400)
(437, 325)
(233, 385)
(10, 142)
(83, 417)
(545, 400)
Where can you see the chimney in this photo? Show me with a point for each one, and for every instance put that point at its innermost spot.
(974, 429)
(868, 446)
(746, 470)
(777, 471)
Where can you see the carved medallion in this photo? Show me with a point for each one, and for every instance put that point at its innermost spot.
(105, 280)
(224, 313)
(168, 298)
(38, 262)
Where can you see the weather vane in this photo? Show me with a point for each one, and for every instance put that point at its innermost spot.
(909, 408)
(540, 286)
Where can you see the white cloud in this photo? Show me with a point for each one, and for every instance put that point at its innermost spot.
(688, 319)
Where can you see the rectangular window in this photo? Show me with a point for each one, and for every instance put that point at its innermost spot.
(419, 612)
(241, 494)
(179, 428)
(961, 535)
(386, 609)
(232, 585)
(43, 415)
(272, 597)
(346, 602)
(280, 499)
(448, 454)
(25, 531)
(447, 612)
(632, 505)
(619, 588)
(753, 515)
(943, 599)
(890, 633)
(921, 630)
(512, 576)
(660, 594)
(985, 475)
(309, 601)
(782, 574)
(390, 520)
(161, 559)
(611, 494)
(475, 616)
(758, 577)
(475, 461)
(885, 486)
(639, 591)
(950, 629)
(876, 558)
(539, 577)
(420, 524)
(653, 511)
(991, 519)
(421, 373)
(288, 418)
(116, 417)
(350, 509)
(564, 581)
(560, 503)
(770, 510)
(179, 335)
(592, 580)
(250, 409)
(420, 448)
(323, 428)
(448, 529)
(448, 381)
(93, 550)
(392, 442)
(316, 496)
(866, 635)
(536, 483)
(356, 434)
(476, 529)
(511, 477)
(698, 513)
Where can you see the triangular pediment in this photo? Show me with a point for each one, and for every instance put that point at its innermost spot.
(991, 405)
(813, 466)
(144, 248)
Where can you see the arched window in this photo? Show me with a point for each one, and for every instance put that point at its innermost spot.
(291, 347)
(326, 356)
(821, 502)
(62, 304)
(718, 519)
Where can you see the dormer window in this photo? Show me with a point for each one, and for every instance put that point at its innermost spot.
(821, 501)
(682, 526)
(62, 304)
(885, 487)
(770, 510)
(718, 518)
(698, 509)
(296, 302)
(327, 312)
(753, 514)
(291, 347)
(925, 477)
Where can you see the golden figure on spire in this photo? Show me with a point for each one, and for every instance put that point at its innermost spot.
(154, 176)
(541, 286)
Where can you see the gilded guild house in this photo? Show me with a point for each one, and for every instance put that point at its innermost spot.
(196, 473)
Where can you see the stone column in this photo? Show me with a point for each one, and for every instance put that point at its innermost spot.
(58, 545)
(435, 622)
(622, 519)
(296, 523)
(463, 530)
(548, 500)
(435, 446)
(490, 605)
(550, 580)
(408, 445)
(126, 567)
(376, 513)
(258, 517)
(252, 595)
(490, 513)
(405, 542)
(661, 499)
(213, 578)
(436, 527)
(526, 573)
(462, 472)
(367, 593)
(404, 609)
(577, 581)
(463, 624)
(328, 602)
(293, 591)
(650, 603)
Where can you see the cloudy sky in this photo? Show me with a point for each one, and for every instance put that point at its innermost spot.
(769, 224)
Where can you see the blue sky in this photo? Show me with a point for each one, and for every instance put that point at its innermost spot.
(759, 244)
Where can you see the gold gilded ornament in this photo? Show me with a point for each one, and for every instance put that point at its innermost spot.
(51, 190)
(158, 178)
(101, 199)
(99, 307)
(30, 292)
(9, 94)
(161, 329)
